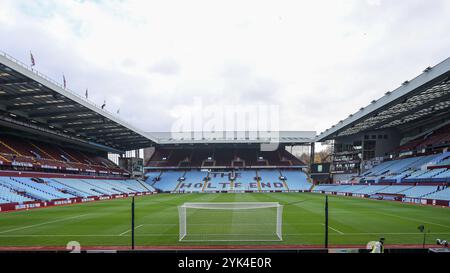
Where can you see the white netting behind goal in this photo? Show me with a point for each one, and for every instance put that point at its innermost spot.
(238, 221)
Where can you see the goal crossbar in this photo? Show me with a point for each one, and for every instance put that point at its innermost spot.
(230, 221)
(231, 205)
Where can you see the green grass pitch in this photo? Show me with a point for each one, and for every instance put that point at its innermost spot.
(352, 221)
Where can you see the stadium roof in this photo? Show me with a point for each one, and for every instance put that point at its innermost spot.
(424, 97)
(32, 102)
(236, 137)
(32, 99)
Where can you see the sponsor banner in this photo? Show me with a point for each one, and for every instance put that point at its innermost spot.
(90, 171)
(49, 167)
(61, 202)
(22, 164)
(72, 169)
(27, 206)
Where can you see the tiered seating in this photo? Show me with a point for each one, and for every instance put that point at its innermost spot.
(369, 189)
(7, 195)
(137, 185)
(219, 181)
(194, 181)
(419, 191)
(168, 181)
(296, 180)
(337, 188)
(428, 192)
(40, 190)
(38, 156)
(414, 169)
(222, 157)
(438, 138)
(81, 186)
(424, 175)
(151, 177)
(23, 189)
(269, 175)
(245, 181)
(195, 178)
(395, 189)
(439, 195)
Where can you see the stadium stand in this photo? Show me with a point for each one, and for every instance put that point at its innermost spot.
(225, 168)
(242, 180)
(296, 181)
(27, 189)
(246, 181)
(24, 154)
(221, 157)
(443, 194)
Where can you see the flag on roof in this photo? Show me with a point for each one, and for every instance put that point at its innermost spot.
(33, 63)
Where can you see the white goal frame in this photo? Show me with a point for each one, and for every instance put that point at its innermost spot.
(183, 229)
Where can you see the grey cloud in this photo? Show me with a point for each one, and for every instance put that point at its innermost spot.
(166, 67)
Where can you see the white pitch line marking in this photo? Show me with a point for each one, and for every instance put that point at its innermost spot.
(413, 219)
(338, 231)
(176, 234)
(125, 232)
(41, 224)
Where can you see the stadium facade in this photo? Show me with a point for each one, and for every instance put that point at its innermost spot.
(397, 147)
(54, 144)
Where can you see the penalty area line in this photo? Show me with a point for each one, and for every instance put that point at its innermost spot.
(125, 232)
(41, 224)
(336, 230)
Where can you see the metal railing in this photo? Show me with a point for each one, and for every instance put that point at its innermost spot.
(48, 79)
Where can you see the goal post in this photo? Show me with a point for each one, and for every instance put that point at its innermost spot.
(233, 221)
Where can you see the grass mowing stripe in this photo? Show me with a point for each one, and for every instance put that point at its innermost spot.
(413, 220)
(303, 217)
(40, 224)
(173, 234)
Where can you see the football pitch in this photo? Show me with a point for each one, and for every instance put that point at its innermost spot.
(352, 221)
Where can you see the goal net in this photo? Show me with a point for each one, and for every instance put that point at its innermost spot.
(238, 221)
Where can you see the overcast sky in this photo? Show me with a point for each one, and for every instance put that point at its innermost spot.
(318, 60)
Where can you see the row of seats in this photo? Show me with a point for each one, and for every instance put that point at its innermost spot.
(437, 138)
(244, 180)
(207, 157)
(427, 192)
(429, 168)
(17, 151)
(23, 189)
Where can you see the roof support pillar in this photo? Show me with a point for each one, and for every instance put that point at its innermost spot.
(312, 155)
